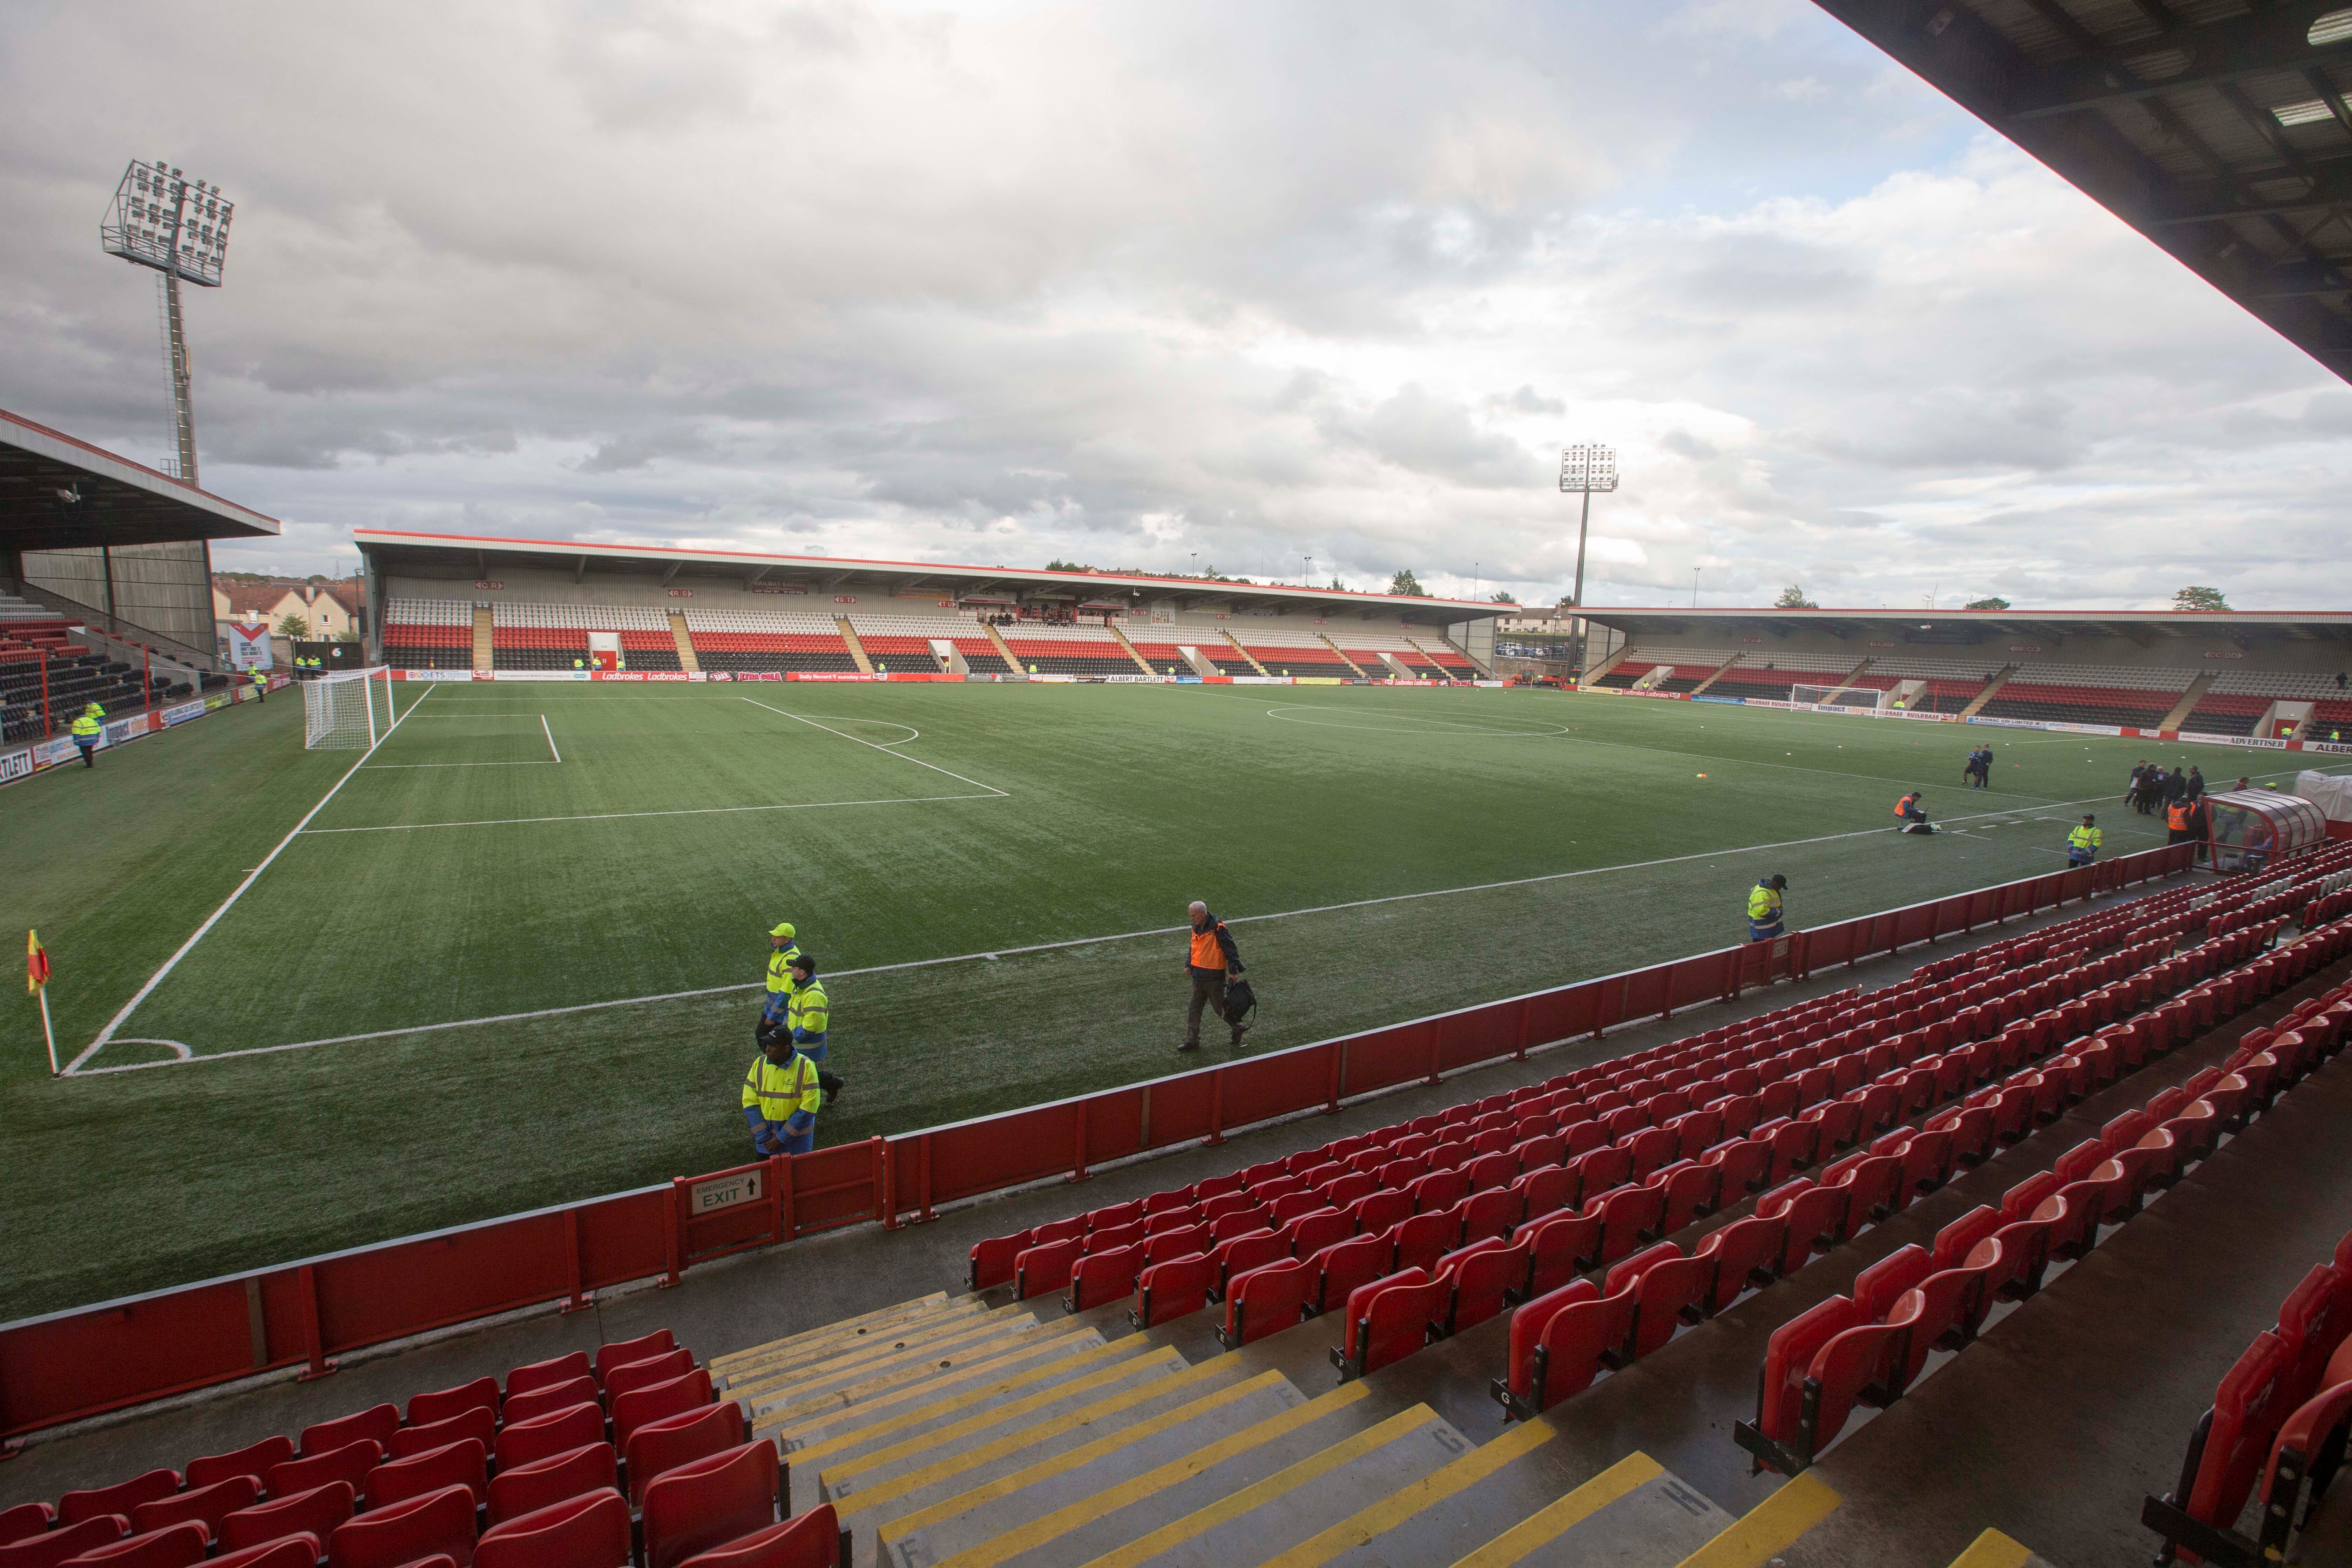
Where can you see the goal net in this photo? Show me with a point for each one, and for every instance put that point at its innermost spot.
(347, 711)
(1838, 697)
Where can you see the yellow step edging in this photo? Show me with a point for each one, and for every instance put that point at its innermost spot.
(1627, 1473)
(1993, 1550)
(1771, 1525)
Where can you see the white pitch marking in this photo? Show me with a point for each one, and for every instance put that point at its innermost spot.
(550, 737)
(918, 761)
(973, 957)
(213, 919)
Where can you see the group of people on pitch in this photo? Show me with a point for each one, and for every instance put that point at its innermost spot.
(785, 1087)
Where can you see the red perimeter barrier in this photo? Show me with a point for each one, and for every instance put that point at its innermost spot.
(89, 1359)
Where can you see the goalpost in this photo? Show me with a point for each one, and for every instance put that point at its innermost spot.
(1839, 696)
(347, 711)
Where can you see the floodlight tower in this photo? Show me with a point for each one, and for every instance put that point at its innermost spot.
(180, 227)
(1582, 470)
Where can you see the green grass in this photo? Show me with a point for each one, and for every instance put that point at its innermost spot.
(632, 868)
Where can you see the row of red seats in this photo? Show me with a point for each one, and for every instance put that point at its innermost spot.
(399, 636)
(1762, 1048)
(1870, 1347)
(1447, 1227)
(638, 1420)
(1561, 1340)
(2278, 1421)
(768, 642)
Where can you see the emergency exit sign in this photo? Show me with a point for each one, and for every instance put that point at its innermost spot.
(724, 1192)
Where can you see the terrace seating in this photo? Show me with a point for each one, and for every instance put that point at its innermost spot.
(1869, 1348)
(373, 1490)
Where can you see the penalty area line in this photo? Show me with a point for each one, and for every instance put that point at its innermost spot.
(999, 953)
(250, 877)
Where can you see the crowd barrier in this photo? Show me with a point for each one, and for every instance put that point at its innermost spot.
(86, 1361)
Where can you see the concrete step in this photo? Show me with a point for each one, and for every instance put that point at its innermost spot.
(1445, 1513)
(1093, 1500)
(1262, 1522)
(767, 1385)
(1994, 1550)
(1635, 1514)
(920, 1366)
(1104, 1427)
(1048, 1357)
(984, 1420)
(755, 1365)
(723, 1365)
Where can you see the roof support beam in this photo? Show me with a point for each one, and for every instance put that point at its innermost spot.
(672, 573)
(2229, 50)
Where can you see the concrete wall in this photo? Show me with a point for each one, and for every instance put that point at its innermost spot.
(165, 588)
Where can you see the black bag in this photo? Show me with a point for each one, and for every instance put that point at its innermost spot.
(831, 1084)
(1239, 1000)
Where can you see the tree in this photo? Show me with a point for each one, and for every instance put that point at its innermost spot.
(2196, 599)
(1405, 584)
(348, 634)
(1792, 597)
(293, 628)
(1568, 601)
(1993, 602)
(1503, 598)
(1337, 587)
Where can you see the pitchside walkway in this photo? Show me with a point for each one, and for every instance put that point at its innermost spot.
(946, 1428)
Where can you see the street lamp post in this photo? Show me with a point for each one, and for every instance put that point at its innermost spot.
(1582, 470)
(1694, 587)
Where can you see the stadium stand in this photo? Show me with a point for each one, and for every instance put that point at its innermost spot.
(1164, 658)
(1052, 650)
(46, 677)
(577, 1462)
(2090, 694)
(762, 640)
(1509, 1197)
(429, 633)
(908, 634)
(555, 637)
(1293, 652)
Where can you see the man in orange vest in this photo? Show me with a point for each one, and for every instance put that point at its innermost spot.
(2176, 817)
(1913, 817)
(1212, 962)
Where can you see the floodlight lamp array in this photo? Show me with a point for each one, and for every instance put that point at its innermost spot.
(162, 219)
(1585, 470)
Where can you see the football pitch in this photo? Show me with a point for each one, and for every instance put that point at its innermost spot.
(512, 956)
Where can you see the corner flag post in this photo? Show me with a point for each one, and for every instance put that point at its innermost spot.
(36, 981)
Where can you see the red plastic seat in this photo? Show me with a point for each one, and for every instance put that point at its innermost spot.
(2311, 1322)
(1481, 1278)
(1629, 1217)
(1346, 1190)
(285, 1551)
(992, 1258)
(710, 1502)
(2249, 1408)
(1559, 1247)
(640, 1407)
(811, 1541)
(1173, 1289)
(120, 1497)
(1265, 1301)
(438, 1523)
(590, 1530)
(1877, 1288)
(589, 1468)
(180, 1545)
(537, 1402)
(462, 1463)
(1744, 1165)
(254, 1459)
(315, 1512)
(557, 1432)
(1577, 1334)
(352, 1462)
(376, 1424)
(205, 1505)
(540, 1374)
(1668, 1291)
(1544, 1190)
(1343, 1266)
(660, 1367)
(1788, 1362)
(1311, 1233)
(1239, 1221)
(478, 1423)
(1103, 1277)
(1852, 1368)
(662, 1445)
(1747, 1254)
(1874, 1184)
(626, 1353)
(67, 1540)
(30, 1518)
(1601, 1170)
(1388, 1320)
(1425, 1238)
(1493, 1212)
(1042, 1270)
(1376, 1212)
(425, 1409)
(1692, 1191)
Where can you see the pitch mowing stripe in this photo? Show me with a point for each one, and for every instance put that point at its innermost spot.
(250, 877)
(1632, 1471)
(1771, 1525)
(976, 957)
(1391, 1512)
(1224, 1510)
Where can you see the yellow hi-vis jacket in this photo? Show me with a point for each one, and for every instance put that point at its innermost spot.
(85, 728)
(808, 1009)
(779, 967)
(780, 1092)
(1763, 903)
(2083, 838)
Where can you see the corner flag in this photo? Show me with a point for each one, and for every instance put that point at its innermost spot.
(36, 981)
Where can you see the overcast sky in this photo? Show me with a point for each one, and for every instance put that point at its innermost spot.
(1123, 283)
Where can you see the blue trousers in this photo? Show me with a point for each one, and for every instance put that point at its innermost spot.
(1764, 930)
